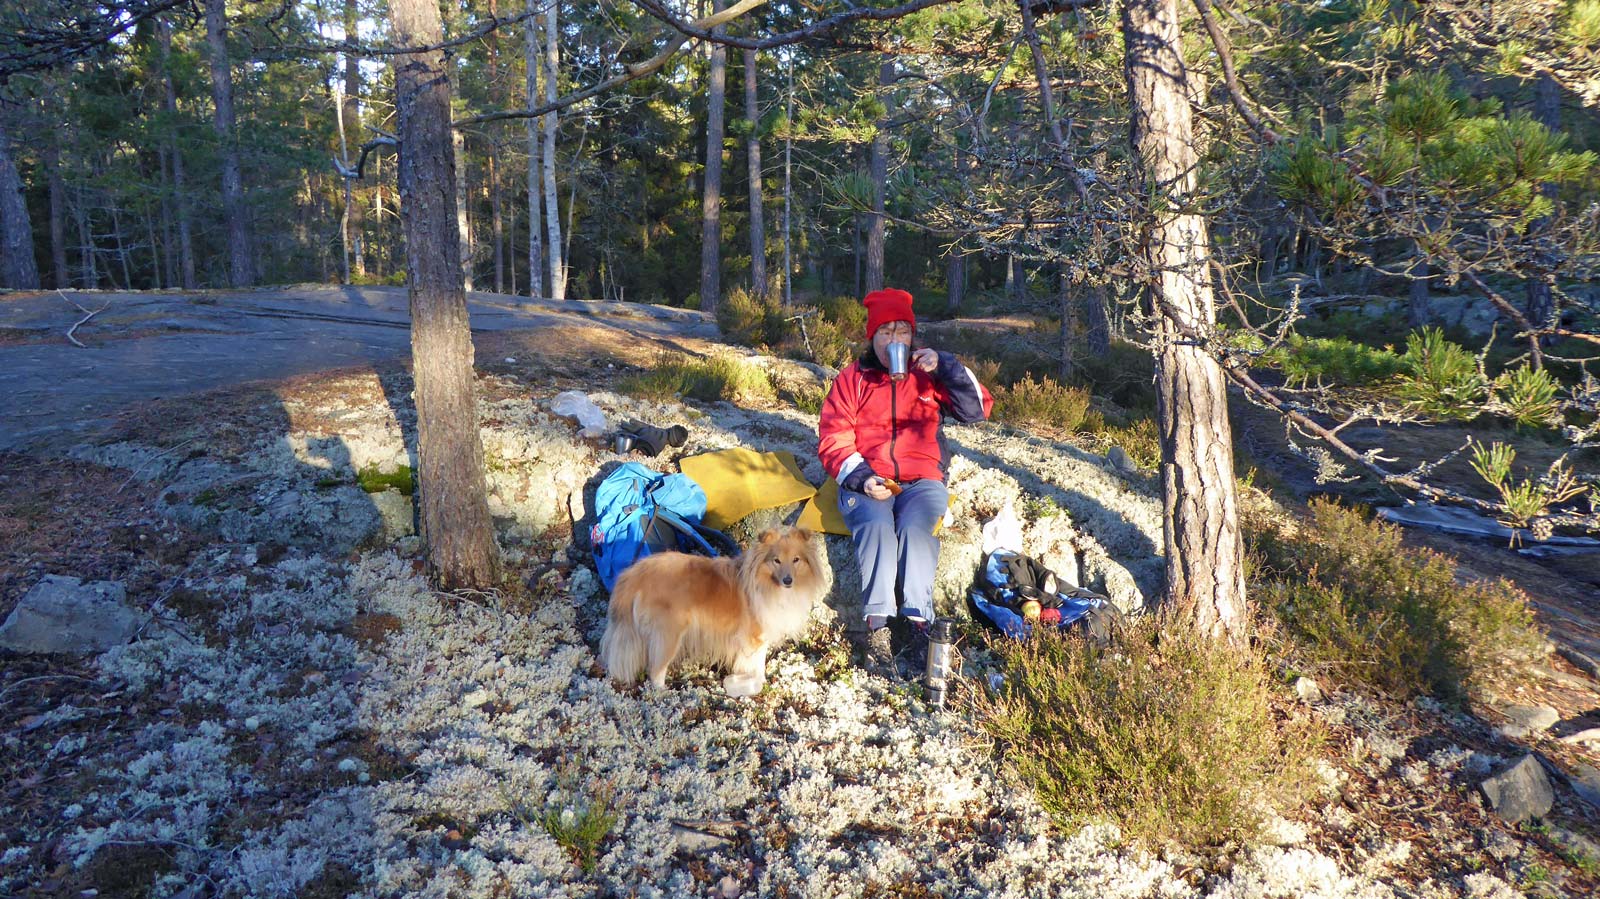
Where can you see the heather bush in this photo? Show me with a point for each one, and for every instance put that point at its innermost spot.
(1365, 609)
(1167, 734)
(752, 320)
(1042, 403)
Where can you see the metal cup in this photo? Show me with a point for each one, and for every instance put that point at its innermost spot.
(899, 360)
(623, 443)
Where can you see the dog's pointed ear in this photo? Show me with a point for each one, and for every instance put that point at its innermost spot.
(803, 534)
(769, 536)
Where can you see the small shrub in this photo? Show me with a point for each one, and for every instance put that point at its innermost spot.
(1125, 375)
(1529, 499)
(1362, 606)
(662, 383)
(1442, 379)
(1043, 403)
(1528, 396)
(718, 378)
(581, 832)
(808, 399)
(752, 320)
(1138, 438)
(1167, 734)
(846, 312)
(833, 344)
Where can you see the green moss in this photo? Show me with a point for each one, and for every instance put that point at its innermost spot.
(374, 481)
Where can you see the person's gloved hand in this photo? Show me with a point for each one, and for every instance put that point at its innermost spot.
(857, 478)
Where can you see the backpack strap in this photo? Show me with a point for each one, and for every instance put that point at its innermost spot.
(686, 529)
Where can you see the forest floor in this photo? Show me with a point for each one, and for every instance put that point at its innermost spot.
(303, 716)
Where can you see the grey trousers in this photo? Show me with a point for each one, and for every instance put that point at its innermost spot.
(895, 547)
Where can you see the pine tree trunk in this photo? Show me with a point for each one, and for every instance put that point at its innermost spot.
(496, 223)
(855, 249)
(241, 261)
(878, 165)
(463, 200)
(1205, 557)
(1547, 110)
(955, 282)
(552, 202)
(1418, 308)
(711, 192)
(788, 141)
(454, 497)
(1069, 326)
(351, 117)
(180, 190)
(533, 55)
(752, 144)
(1097, 331)
(58, 217)
(17, 265)
(86, 249)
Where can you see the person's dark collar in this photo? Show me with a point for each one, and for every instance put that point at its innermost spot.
(869, 361)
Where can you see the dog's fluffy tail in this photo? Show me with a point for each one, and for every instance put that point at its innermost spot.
(622, 649)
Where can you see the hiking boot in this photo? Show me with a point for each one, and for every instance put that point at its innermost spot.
(877, 653)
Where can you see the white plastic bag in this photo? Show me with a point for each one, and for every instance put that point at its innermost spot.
(576, 404)
(1003, 531)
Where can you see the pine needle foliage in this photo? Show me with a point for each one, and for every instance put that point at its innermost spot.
(1442, 379)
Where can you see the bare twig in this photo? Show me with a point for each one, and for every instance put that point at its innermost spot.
(88, 314)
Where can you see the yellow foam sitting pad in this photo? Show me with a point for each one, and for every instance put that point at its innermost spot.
(740, 481)
(822, 512)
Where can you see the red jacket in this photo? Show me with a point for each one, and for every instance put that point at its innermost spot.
(892, 428)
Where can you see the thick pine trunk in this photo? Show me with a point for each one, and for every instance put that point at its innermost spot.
(878, 166)
(752, 144)
(552, 204)
(454, 498)
(1205, 556)
(711, 191)
(1547, 110)
(241, 260)
(17, 265)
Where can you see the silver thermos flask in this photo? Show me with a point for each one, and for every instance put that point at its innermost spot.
(941, 661)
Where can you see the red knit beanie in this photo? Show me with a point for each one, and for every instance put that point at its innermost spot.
(887, 305)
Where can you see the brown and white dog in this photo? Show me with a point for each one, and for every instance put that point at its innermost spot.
(727, 612)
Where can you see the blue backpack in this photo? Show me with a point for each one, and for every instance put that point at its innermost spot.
(639, 511)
